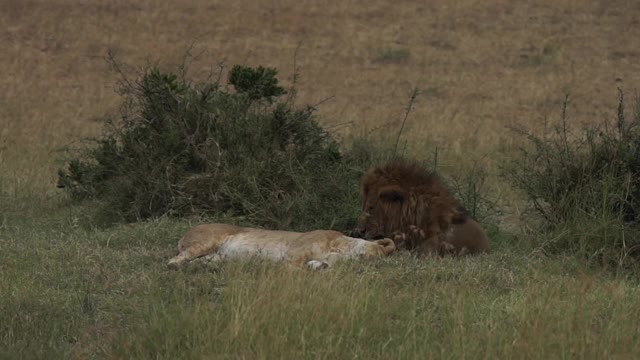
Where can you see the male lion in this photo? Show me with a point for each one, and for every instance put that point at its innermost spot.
(405, 202)
(315, 249)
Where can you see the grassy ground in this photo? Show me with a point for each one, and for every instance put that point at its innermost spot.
(69, 289)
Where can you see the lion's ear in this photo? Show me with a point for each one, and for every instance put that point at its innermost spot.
(392, 193)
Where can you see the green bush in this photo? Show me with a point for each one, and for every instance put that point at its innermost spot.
(180, 148)
(586, 185)
(471, 190)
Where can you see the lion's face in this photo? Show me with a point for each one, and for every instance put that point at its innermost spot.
(381, 206)
(404, 202)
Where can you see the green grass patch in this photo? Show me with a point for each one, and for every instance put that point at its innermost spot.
(391, 56)
(107, 293)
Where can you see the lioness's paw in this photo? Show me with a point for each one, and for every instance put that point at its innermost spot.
(317, 265)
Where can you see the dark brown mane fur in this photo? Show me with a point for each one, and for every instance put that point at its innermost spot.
(403, 173)
(401, 195)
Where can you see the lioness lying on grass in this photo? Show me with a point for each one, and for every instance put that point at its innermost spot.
(315, 249)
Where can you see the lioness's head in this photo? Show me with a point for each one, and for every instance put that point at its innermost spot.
(384, 247)
(372, 249)
(367, 249)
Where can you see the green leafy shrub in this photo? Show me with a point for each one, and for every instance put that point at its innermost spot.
(180, 148)
(470, 188)
(586, 185)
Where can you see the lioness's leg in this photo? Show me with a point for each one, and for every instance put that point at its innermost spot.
(202, 240)
(193, 251)
(210, 258)
(178, 260)
(325, 262)
(317, 264)
(313, 263)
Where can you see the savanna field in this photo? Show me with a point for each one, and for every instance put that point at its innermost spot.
(492, 78)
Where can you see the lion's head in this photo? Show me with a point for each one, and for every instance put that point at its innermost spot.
(402, 198)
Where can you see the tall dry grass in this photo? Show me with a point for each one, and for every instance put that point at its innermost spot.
(480, 66)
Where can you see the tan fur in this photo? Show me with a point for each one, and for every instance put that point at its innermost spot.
(405, 202)
(315, 249)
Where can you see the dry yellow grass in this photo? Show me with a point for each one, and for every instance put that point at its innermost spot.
(481, 65)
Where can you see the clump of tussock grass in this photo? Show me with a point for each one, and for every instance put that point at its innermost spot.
(585, 186)
(391, 56)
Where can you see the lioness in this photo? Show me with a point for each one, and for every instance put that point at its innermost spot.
(411, 205)
(315, 249)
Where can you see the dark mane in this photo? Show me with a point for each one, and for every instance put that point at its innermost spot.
(412, 205)
(404, 173)
(412, 176)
